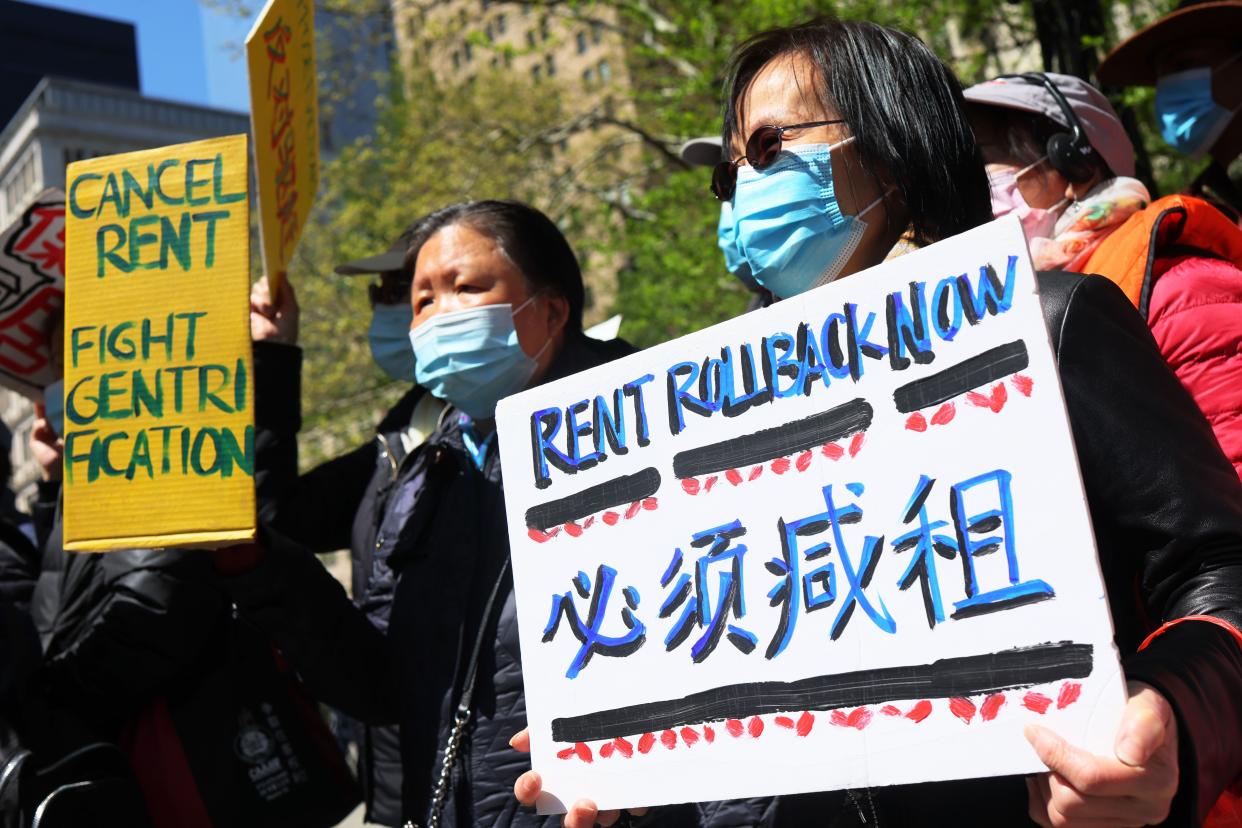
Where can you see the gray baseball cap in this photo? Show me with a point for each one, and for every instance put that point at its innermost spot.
(1098, 118)
(391, 259)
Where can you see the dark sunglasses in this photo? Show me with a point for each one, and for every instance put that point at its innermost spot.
(389, 292)
(762, 148)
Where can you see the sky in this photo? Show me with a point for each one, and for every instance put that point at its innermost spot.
(186, 51)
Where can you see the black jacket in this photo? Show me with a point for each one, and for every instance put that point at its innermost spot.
(448, 556)
(1167, 512)
(343, 503)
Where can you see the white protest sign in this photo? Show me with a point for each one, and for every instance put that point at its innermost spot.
(32, 294)
(838, 542)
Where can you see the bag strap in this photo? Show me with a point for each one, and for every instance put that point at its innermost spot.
(461, 716)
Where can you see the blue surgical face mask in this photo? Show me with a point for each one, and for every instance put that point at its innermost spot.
(390, 340)
(472, 357)
(1190, 120)
(54, 406)
(789, 226)
(726, 239)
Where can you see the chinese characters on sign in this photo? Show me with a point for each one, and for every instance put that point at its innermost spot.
(841, 541)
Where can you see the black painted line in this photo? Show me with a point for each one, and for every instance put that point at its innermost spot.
(621, 491)
(783, 440)
(963, 676)
(979, 370)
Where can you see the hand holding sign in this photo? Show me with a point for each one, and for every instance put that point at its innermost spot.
(582, 814)
(1135, 787)
(274, 320)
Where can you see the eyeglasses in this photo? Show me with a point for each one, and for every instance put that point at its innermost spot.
(389, 292)
(762, 148)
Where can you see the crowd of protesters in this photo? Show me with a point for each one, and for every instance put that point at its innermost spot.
(180, 688)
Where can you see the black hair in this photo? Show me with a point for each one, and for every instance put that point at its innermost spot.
(525, 236)
(902, 104)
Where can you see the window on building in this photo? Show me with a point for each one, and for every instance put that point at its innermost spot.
(597, 32)
(563, 146)
(536, 72)
(544, 31)
(502, 23)
(467, 51)
(582, 42)
(530, 38)
(550, 62)
(605, 71)
(456, 59)
(588, 77)
(487, 30)
(495, 61)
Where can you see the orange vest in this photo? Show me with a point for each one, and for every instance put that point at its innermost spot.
(1128, 255)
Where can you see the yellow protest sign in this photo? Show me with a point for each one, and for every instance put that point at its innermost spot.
(159, 434)
(284, 119)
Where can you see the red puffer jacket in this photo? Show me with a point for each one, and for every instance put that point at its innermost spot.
(1180, 262)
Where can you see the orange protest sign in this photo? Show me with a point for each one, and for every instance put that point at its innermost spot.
(284, 119)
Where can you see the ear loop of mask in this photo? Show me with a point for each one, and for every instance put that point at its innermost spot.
(858, 229)
(521, 308)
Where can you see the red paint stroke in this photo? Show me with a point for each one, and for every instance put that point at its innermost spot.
(964, 709)
(709, 734)
(890, 710)
(543, 537)
(805, 722)
(711, 481)
(784, 721)
(1024, 384)
(605, 750)
(920, 711)
(632, 509)
(916, 422)
(944, 414)
(858, 718)
(1037, 702)
(734, 727)
(586, 524)
(780, 465)
(565, 754)
(991, 706)
(733, 476)
(584, 752)
(650, 504)
(611, 518)
(1070, 691)
(755, 472)
(690, 736)
(804, 461)
(574, 530)
(669, 739)
(832, 451)
(690, 486)
(857, 443)
(623, 747)
(977, 399)
(755, 726)
(999, 397)
(646, 742)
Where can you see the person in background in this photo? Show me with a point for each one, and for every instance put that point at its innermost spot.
(1057, 156)
(497, 302)
(348, 502)
(831, 171)
(1193, 57)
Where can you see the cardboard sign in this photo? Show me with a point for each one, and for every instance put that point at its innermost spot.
(159, 435)
(836, 543)
(284, 119)
(32, 294)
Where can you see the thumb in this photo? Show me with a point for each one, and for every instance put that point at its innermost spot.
(1144, 727)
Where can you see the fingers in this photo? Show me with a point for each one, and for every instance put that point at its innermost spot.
(521, 741)
(261, 298)
(528, 787)
(1090, 774)
(1145, 727)
(583, 813)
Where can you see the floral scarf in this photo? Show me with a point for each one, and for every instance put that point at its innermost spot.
(1087, 222)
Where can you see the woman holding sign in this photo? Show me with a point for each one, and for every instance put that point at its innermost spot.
(849, 145)
(497, 299)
